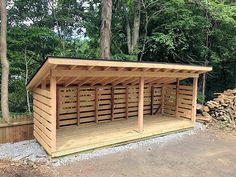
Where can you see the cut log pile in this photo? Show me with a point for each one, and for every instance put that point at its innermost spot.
(222, 108)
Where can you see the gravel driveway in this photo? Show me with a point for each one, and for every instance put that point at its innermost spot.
(198, 153)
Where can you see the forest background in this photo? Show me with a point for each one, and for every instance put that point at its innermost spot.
(197, 32)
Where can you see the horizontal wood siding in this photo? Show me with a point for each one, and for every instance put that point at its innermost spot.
(68, 102)
(42, 118)
(170, 99)
(185, 96)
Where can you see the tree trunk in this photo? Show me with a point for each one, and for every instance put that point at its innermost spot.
(105, 38)
(4, 62)
(128, 31)
(26, 81)
(135, 34)
(132, 39)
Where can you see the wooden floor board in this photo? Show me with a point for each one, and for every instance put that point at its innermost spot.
(75, 139)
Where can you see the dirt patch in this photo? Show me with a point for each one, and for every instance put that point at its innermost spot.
(18, 169)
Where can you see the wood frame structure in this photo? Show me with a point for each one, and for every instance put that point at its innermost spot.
(76, 92)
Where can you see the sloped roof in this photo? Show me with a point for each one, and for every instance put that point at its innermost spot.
(77, 71)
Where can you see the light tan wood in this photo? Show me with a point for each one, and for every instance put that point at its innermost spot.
(89, 137)
(78, 106)
(140, 104)
(126, 102)
(43, 84)
(112, 103)
(71, 81)
(81, 73)
(194, 100)
(94, 66)
(42, 92)
(42, 99)
(162, 99)
(97, 63)
(177, 97)
(53, 95)
(96, 105)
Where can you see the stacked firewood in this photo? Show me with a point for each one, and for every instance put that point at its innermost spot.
(222, 108)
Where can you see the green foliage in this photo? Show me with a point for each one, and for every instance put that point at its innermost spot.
(194, 32)
(200, 97)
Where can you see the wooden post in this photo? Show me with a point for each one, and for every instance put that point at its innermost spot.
(126, 102)
(140, 104)
(152, 99)
(162, 99)
(112, 102)
(176, 98)
(96, 104)
(53, 94)
(78, 106)
(194, 100)
(57, 108)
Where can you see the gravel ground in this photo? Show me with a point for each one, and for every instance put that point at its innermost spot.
(26, 151)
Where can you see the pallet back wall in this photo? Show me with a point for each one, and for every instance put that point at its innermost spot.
(183, 103)
(96, 104)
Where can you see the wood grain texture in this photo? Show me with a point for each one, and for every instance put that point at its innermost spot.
(89, 137)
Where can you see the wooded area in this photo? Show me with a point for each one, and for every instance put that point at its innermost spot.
(191, 32)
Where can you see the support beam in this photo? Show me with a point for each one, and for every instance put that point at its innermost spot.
(81, 73)
(90, 68)
(84, 82)
(194, 100)
(98, 81)
(71, 81)
(53, 95)
(120, 81)
(176, 98)
(140, 104)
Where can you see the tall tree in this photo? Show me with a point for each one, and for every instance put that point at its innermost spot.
(133, 35)
(105, 38)
(4, 62)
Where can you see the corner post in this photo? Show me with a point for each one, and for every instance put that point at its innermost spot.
(140, 104)
(194, 99)
(53, 94)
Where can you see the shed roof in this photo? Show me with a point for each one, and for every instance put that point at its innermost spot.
(77, 71)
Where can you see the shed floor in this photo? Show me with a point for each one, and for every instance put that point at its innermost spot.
(76, 139)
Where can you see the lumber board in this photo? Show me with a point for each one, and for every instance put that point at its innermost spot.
(89, 137)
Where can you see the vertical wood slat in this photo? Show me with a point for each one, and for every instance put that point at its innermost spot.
(78, 106)
(140, 104)
(194, 100)
(126, 102)
(162, 99)
(53, 93)
(152, 99)
(112, 103)
(176, 98)
(96, 104)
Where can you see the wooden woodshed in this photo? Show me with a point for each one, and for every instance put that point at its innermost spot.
(84, 104)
